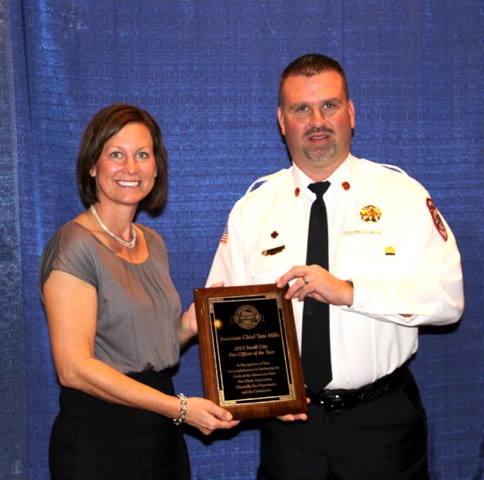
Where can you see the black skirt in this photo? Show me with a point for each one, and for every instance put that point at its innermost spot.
(93, 439)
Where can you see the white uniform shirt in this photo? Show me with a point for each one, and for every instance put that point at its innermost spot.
(385, 235)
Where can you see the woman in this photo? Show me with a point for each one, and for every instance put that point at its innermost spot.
(114, 316)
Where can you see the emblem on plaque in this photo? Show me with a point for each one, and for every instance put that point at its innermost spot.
(247, 317)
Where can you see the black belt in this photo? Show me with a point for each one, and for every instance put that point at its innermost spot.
(339, 400)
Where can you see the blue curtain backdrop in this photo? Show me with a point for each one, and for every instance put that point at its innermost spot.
(208, 72)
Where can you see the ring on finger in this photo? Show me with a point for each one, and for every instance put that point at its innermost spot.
(304, 280)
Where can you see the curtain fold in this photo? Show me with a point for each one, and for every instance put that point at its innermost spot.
(13, 411)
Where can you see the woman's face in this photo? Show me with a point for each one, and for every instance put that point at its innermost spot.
(126, 168)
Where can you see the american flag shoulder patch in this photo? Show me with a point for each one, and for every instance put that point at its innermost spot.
(225, 235)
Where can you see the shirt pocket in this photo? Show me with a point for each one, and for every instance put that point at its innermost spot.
(266, 268)
(371, 256)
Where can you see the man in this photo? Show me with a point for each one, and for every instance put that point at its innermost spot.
(393, 266)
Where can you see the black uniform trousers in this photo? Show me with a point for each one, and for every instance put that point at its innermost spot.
(384, 439)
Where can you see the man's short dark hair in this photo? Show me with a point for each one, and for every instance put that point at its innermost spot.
(309, 65)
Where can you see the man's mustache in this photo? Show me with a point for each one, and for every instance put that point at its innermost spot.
(318, 130)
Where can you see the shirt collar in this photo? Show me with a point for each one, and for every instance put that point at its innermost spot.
(338, 179)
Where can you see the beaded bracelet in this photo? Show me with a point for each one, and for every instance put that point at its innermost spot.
(183, 409)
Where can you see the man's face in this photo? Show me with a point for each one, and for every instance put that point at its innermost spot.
(317, 119)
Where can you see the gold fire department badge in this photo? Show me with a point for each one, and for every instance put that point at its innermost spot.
(370, 213)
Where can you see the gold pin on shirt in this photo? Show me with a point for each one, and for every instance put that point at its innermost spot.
(370, 213)
(273, 251)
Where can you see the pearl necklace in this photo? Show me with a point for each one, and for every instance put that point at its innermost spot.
(106, 229)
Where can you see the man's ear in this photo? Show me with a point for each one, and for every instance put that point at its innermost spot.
(280, 118)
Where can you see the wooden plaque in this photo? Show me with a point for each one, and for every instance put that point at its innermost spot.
(249, 352)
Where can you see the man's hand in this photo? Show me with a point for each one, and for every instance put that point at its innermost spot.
(316, 282)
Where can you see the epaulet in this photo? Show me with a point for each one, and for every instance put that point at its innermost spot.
(262, 180)
(393, 167)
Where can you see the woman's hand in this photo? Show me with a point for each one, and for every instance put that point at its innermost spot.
(187, 327)
(208, 417)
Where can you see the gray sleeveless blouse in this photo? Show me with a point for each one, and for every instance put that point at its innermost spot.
(138, 305)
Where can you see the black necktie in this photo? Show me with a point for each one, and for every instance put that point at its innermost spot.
(316, 354)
